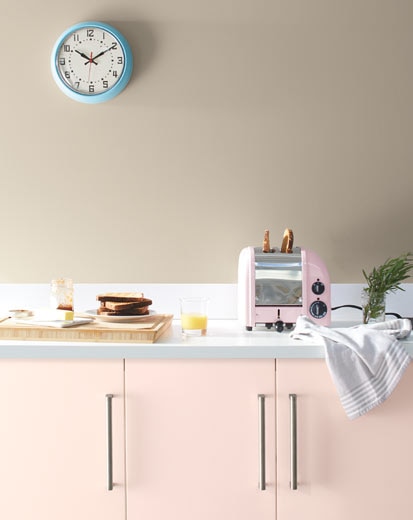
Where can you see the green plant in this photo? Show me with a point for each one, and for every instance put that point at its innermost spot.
(382, 280)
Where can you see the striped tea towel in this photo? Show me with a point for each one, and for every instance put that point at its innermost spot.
(366, 362)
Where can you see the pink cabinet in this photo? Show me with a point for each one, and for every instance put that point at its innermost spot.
(53, 440)
(200, 441)
(357, 469)
(193, 445)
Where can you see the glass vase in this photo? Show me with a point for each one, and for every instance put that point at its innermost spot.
(373, 306)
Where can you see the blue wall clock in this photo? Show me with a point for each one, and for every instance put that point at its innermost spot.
(91, 62)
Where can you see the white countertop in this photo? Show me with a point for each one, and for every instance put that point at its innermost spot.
(226, 339)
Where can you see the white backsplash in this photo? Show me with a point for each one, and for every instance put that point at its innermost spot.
(165, 297)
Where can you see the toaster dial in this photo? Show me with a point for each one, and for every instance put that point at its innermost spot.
(318, 287)
(318, 309)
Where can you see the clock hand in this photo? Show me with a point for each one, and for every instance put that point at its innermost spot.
(103, 52)
(90, 67)
(82, 54)
(89, 60)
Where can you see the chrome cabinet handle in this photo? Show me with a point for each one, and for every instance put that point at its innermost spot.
(109, 452)
(261, 437)
(293, 441)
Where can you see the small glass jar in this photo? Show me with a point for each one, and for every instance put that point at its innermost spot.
(61, 294)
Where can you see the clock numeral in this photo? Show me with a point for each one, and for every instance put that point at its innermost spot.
(115, 73)
(67, 74)
(114, 45)
(105, 84)
(75, 37)
(77, 85)
(62, 61)
(91, 88)
(90, 33)
(120, 60)
(66, 47)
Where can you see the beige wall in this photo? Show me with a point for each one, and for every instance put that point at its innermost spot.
(240, 116)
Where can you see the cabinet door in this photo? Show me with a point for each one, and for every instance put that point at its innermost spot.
(192, 439)
(358, 469)
(53, 440)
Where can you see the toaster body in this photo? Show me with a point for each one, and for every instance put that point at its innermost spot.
(275, 288)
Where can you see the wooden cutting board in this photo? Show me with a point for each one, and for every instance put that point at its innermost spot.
(146, 330)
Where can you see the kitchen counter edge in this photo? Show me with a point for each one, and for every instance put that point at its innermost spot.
(226, 339)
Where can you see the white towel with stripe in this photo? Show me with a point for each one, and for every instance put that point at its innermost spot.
(366, 362)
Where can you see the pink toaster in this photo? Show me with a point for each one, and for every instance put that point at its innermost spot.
(275, 288)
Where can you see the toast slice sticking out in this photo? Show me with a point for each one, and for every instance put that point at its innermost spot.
(288, 241)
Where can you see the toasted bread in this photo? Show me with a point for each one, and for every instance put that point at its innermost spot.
(120, 306)
(266, 242)
(123, 304)
(120, 297)
(141, 311)
(288, 241)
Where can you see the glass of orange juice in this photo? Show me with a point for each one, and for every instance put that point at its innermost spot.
(194, 316)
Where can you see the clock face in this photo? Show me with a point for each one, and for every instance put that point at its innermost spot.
(92, 62)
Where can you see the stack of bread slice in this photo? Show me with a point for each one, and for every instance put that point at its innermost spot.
(123, 304)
